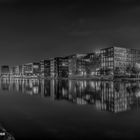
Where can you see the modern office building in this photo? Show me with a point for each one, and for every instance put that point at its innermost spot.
(77, 65)
(53, 72)
(109, 62)
(92, 62)
(117, 61)
(62, 67)
(36, 68)
(32, 69)
(28, 69)
(48, 68)
(45, 68)
(42, 68)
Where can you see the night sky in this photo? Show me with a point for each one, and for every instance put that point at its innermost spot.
(34, 30)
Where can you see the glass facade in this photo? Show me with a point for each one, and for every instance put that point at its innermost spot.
(32, 69)
(45, 68)
(120, 62)
(77, 65)
(92, 62)
(62, 67)
(107, 62)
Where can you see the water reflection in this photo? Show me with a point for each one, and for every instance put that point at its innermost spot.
(104, 95)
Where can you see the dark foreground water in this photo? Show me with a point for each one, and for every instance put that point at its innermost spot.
(70, 109)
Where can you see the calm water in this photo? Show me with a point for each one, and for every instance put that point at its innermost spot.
(70, 109)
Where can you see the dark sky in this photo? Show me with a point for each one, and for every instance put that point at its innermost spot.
(34, 30)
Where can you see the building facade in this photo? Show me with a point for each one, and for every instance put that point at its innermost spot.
(36, 68)
(107, 62)
(31, 69)
(120, 62)
(92, 62)
(28, 69)
(77, 65)
(62, 67)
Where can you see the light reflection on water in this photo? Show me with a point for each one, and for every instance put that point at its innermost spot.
(104, 95)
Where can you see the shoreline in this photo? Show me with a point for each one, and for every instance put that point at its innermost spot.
(77, 78)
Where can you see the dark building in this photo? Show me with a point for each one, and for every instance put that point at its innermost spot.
(20, 70)
(62, 67)
(92, 62)
(5, 71)
(45, 68)
(77, 65)
(107, 61)
(36, 68)
(48, 68)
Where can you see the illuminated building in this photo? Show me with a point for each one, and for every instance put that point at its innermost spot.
(52, 68)
(32, 69)
(36, 68)
(112, 62)
(45, 68)
(28, 69)
(118, 62)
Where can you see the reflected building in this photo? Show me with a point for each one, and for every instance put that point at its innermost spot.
(46, 88)
(112, 96)
(107, 96)
(5, 84)
(61, 89)
(31, 86)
